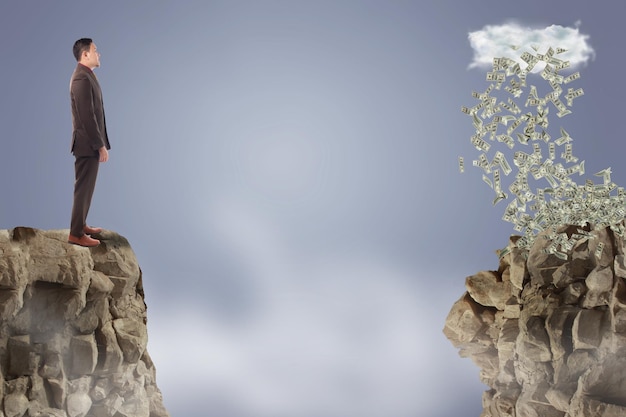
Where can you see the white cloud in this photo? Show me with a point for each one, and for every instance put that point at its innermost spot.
(494, 41)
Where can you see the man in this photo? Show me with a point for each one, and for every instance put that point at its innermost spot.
(90, 143)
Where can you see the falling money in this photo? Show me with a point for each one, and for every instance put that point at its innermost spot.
(522, 121)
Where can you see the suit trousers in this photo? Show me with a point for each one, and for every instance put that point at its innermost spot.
(86, 170)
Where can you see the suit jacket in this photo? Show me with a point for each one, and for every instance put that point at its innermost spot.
(89, 126)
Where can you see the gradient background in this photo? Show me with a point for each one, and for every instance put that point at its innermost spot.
(286, 172)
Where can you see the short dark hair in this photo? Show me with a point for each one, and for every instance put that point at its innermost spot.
(80, 46)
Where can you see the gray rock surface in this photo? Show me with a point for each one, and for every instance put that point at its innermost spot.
(73, 330)
(548, 334)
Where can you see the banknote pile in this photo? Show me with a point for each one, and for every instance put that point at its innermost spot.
(513, 139)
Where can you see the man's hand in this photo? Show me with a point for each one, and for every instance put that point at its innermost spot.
(104, 154)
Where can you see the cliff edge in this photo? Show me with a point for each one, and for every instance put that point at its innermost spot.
(73, 329)
(549, 334)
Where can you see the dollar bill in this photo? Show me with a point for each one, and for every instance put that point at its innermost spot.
(605, 174)
(564, 112)
(599, 250)
(487, 181)
(500, 159)
(496, 181)
(520, 158)
(507, 118)
(514, 91)
(507, 140)
(499, 197)
(480, 144)
(513, 106)
(562, 65)
(527, 57)
(533, 102)
(572, 94)
(503, 252)
(571, 78)
(513, 126)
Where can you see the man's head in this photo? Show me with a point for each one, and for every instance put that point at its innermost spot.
(86, 53)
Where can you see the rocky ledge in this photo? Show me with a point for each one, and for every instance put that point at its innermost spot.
(73, 330)
(548, 334)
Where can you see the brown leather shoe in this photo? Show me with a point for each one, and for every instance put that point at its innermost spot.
(84, 240)
(92, 230)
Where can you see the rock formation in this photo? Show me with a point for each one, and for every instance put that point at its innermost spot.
(73, 329)
(548, 334)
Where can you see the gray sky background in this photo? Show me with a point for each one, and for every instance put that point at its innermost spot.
(286, 172)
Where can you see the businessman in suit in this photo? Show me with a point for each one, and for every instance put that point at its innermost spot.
(90, 144)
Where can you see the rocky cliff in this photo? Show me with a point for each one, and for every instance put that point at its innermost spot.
(73, 329)
(549, 334)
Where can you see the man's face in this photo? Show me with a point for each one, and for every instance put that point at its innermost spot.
(91, 58)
